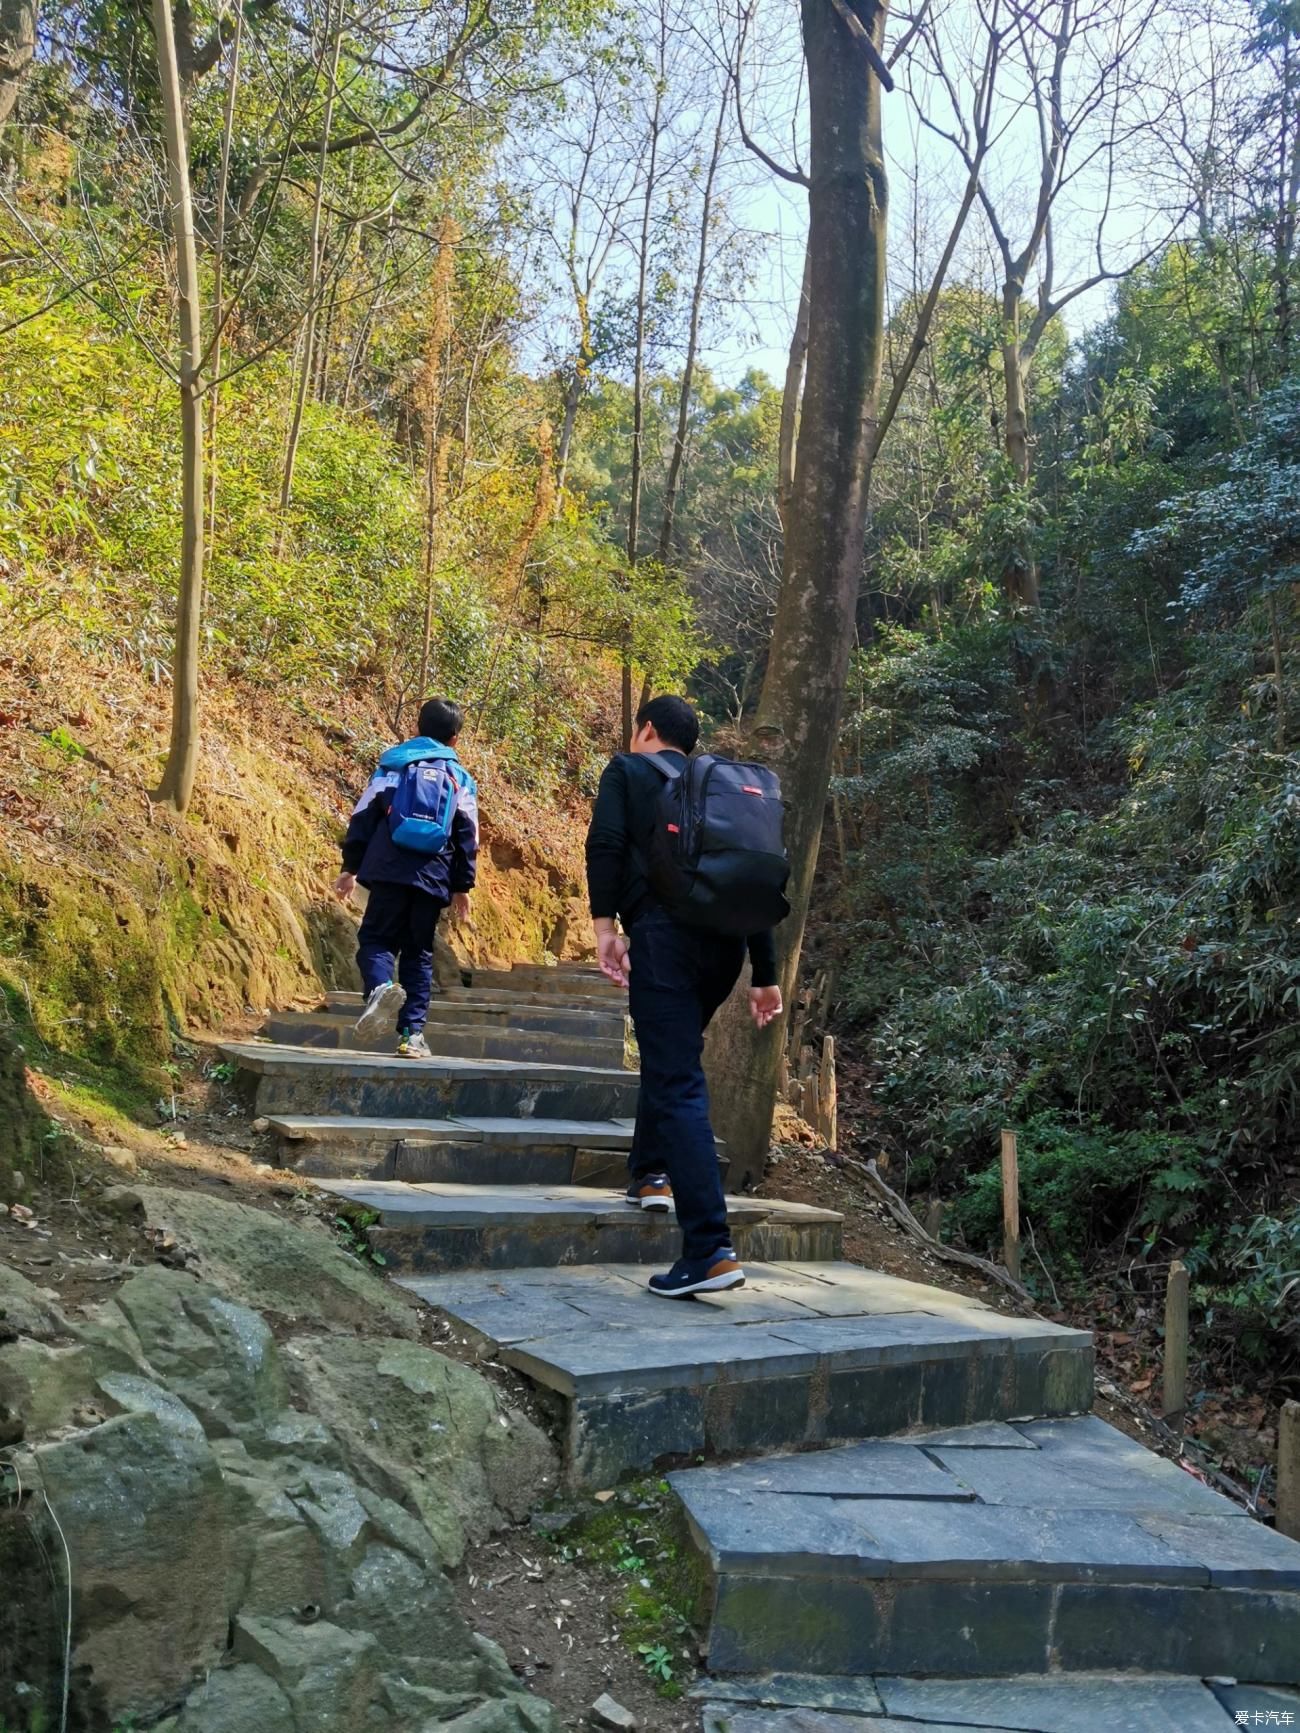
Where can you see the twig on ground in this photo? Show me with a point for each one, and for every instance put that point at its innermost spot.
(1033, 1246)
(906, 1220)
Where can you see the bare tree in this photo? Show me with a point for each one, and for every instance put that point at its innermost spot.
(698, 287)
(803, 692)
(219, 259)
(18, 27)
(1076, 100)
(177, 783)
(331, 50)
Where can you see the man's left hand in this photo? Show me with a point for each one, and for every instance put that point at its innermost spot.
(344, 885)
(460, 906)
(765, 1005)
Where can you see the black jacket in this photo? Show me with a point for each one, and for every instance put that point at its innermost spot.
(618, 839)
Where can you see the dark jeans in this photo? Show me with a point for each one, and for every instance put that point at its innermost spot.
(679, 978)
(397, 931)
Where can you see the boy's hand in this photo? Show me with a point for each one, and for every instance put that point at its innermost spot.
(460, 906)
(765, 1005)
(344, 885)
(611, 953)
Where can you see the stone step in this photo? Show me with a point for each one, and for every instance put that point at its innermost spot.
(305, 1080)
(533, 978)
(1061, 1703)
(545, 1019)
(1040, 1547)
(433, 1229)
(456, 1152)
(807, 1353)
(334, 1030)
(614, 999)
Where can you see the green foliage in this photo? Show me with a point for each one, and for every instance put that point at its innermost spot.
(639, 1536)
(89, 480)
(1068, 859)
(352, 1230)
(1242, 538)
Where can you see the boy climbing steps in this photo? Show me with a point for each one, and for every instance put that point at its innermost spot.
(413, 844)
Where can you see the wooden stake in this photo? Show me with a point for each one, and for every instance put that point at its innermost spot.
(1011, 1205)
(1288, 1471)
(934, 1217)
(1175, 1386)
(812, 1102)
(829, 1095)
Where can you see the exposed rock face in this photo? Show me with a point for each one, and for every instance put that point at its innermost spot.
(21, 1123)
(259, 1529)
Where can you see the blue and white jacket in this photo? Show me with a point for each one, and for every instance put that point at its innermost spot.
(370, 852)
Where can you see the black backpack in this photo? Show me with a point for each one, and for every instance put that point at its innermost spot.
(717, 854)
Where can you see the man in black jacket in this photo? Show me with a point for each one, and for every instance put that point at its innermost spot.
(677, 977)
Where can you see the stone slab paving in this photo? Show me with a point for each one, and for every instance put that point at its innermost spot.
(575, 998)
(274, 1059)
(307, 1080)
(436, 1227)
(501, 1008)
(1135, 1703)
(337, 1033)
(399, 1204)
(1086, 1551)
(803, 1354)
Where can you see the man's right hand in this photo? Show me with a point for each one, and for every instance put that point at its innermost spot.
(611, 953)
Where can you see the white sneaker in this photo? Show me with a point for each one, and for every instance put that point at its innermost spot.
(414, 1046)
(378, 1022)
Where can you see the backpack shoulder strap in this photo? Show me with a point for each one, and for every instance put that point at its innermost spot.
(668, 767)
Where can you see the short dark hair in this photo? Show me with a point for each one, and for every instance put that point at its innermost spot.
(440, 720)
(673, 721)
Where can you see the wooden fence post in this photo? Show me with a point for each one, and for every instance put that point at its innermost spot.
(1175, 1381)
(1288, 1471)
(1011, 1205)
(828, 1095)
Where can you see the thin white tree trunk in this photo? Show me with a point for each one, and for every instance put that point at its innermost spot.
(313, 287)
(219, 265)
(177, 785)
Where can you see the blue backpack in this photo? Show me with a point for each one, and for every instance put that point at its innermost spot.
(424, 805)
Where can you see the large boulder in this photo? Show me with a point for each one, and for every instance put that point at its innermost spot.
(142, 1507)
(427, 1431)
(288, 1266)
(22, 1124)
(258, 1523)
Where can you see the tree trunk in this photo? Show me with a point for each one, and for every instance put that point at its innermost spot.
(177, 783)
(678, 458)
(803, 691)
(790, 397)
(572, 398)
(313, 284)
(219, 265)
(430, 390)
(642, 288)
(1021, 575)
(18, 20)
(627, 718)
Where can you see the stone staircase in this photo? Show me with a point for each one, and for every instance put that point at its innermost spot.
(903, 1513)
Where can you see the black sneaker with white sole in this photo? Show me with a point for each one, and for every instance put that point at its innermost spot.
(712, 1275)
